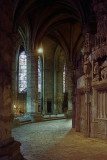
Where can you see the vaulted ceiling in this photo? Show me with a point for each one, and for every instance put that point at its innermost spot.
(60, 20)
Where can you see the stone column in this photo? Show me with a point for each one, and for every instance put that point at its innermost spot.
(9, 149)
(43, 86)
(31, 85)
(78, 111)
(87, 69)
(73, 98)
(88, 105)
(38, 116)
(94, 114)
(14, 71)
(87, 89)
(70, 85)
(60, 88)
(36, 67)
(55, 112)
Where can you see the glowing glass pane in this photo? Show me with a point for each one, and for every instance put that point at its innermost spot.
(64, 80)
(22, 72)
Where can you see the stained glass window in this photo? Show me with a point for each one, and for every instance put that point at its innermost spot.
(64, 79)
(39, 75)
(22, 72)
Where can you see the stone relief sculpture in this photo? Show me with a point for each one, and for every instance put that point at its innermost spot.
(87, 66)
(104, 70)
(96, 72)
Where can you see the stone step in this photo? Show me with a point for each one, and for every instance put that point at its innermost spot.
(43, 119)
(53, 118)
(25, 122)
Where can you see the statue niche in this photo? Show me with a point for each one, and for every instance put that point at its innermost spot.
(87, 66)
(96, 72)
(104, 70)
(100, 69)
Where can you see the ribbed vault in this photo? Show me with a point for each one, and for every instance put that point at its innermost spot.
(61, 20)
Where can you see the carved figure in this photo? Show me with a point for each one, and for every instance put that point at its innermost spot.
(104, 70)
(96, 68)
(87, 66)
(96, 71)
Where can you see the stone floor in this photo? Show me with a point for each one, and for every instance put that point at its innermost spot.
(54, 140)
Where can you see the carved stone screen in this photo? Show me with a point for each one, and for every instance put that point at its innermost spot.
(83, 114)
(102, 104)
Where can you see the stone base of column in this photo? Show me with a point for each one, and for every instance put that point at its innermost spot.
(68, 114)
(16, 123)
(38, 117)
(55, 112)
(35, 117)
(10, 150)
(44, 112)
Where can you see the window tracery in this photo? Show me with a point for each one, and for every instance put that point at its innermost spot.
(22, 72)
(64, 72)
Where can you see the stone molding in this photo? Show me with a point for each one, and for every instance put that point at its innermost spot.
(100, 84)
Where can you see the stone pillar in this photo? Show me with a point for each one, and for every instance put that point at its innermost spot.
(36, 67)
(55, 112)
(60, 88)
(9, 149)
(43, 86)
(78, 111)
(38, 116)
(14, 72)
(31, 84)
(70, 85)
(87, 70)
(95, 114)
(73, 98)
(88, 105)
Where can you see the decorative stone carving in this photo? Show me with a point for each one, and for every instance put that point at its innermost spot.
(81, 82)
(100, 48)
(102, 25)
(104, 70)
(87, 42)
(87, 66)
(96, 72)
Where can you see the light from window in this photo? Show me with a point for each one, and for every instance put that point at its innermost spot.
(22, 72)
(39, 75)
(64, 79)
